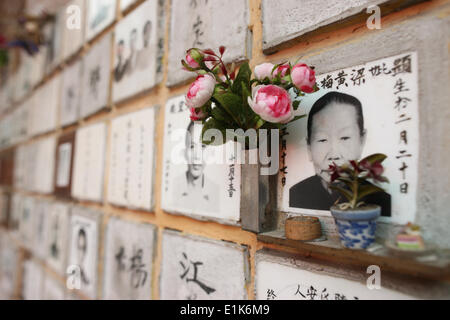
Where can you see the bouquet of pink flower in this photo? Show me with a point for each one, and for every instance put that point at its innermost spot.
(226, 99)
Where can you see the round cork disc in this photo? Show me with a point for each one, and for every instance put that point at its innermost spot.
(303, 228)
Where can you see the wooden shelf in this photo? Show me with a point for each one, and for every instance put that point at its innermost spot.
(331, 250)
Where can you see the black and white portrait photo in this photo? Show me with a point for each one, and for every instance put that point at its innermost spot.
(136, 49)
(194, 183)
(335, 135)
(193, 186)
(358, 111)
(83, 258)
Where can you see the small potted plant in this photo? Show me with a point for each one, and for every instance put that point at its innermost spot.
(355, 219)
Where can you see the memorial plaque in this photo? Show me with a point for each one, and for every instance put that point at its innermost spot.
(125, 4)
(294, 283)
(376, 108)
(71, 94)
(40, 227)
(96, 77)
(52, 289)
(41, 165)
(33, 280)
(64, 164)
(84, 247)
(196, 268)
(198, 180)
(137, 42)
(100, 14)
(73, 27)
(58, 236)
(131, 162)
(128, 265)
(26, 226)
(44, 107)
(89, 162)
(206, 24)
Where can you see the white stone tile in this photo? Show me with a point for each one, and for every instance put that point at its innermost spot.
(286, 20)
(206, 24)
(217, 196)
(129, 251)
(131, 164)
(196, 268)
(89, 162)
(96, 77)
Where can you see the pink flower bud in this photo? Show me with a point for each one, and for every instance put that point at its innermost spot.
(193, 57)
(197, 114)
(191, 62)
(200, 90)
(303, 77)
(281, 70)
(263, 71)
(271, 103)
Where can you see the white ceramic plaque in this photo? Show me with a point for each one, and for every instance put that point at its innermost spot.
(58, 236)
(131, 159)
(386, 122)
(41, 165)
(40, 227)
(44, 107)
(206, 24)
(52, 289)
(128, 260)
(71, 94)
(196, 268)
(125, 4)
(198, 180)
(96, 76)
(286, 281)
(73, 27)
(89, 161)
(135, 51)
(100, 14)
(64, 162)
(84, 246)
(33, 280)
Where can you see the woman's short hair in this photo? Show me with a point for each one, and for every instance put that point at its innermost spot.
(336, 97)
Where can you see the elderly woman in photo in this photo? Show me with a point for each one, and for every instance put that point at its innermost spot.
(336, 134)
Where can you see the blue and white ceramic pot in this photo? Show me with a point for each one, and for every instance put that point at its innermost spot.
(356, 226)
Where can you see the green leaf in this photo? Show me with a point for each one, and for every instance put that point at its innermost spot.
(212, 123)
(297, 117)
(243, 76)
(221, 115)
(376, 157)
(343, 191)
(232, 103)
(368, 189)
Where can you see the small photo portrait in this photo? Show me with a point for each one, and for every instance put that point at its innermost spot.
(194, 183)
(359, 111)
(82, 265)
(136, 50)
